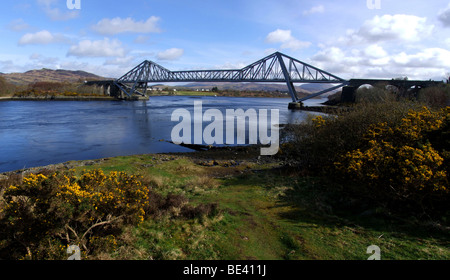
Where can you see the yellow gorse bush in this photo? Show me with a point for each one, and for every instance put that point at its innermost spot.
(318, 121)
(400, 156)
(418, 122)
(71, 208)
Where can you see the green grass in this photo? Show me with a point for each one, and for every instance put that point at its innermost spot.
(263, 215)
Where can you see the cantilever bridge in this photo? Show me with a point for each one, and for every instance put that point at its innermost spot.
(275, 68)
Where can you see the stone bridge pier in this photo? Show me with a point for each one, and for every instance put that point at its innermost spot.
(109, 88)
(403, 86)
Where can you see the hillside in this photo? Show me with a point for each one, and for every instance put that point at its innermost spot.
(49, 75)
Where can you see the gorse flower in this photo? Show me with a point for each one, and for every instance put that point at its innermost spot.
(400, 156)
(318, 121)
(72, 207)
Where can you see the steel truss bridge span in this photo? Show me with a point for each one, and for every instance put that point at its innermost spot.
(275, 68)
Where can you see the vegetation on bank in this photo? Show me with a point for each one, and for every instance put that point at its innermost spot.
(48, 90)
(6, 89)
(391, 155)
(374, 173)
(52, 90)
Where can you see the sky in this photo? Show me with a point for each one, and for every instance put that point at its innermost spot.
(350, 38)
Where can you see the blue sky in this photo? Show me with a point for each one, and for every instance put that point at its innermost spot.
(351, 39)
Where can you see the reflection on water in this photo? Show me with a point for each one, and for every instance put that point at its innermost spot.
(35, 133)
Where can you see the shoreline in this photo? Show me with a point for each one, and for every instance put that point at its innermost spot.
(60, 98)
(70, 98)
(200, 153)
(324, 108)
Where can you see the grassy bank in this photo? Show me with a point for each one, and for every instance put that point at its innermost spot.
(261, 211)
(264, 213)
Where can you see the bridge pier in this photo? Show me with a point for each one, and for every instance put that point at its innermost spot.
(348, 94)
(115, 91)
(112, 90)
(295, 105)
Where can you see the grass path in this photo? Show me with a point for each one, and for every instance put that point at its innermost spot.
(263, 215)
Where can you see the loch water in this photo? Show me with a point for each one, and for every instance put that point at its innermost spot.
(38, 133)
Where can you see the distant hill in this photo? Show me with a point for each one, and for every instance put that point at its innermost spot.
(49, 75)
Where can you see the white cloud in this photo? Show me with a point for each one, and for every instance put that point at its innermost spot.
(99, 48)
(444, 16)
(390, 27)
(447, 41)
(314, 10)
(170, 54)
(383, 61)
(375, 51)
(128, 25)
(427, 58)
(375, 62)
(285, 37)
(43, 37)
(278, 36)
(332, 54)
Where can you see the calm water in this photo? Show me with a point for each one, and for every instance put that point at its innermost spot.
(36, 133)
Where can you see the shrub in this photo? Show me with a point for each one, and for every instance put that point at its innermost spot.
(63, 209)
(317, 143)
(45, 86)
(6, 88)
(438, 96)
(378, 93)
(399, 163)
(392, 154)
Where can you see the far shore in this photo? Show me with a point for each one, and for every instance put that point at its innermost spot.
(53, 97)
(56, 96)
(60, 98)
(324, 108)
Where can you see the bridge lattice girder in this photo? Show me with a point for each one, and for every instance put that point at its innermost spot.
(276, 67)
